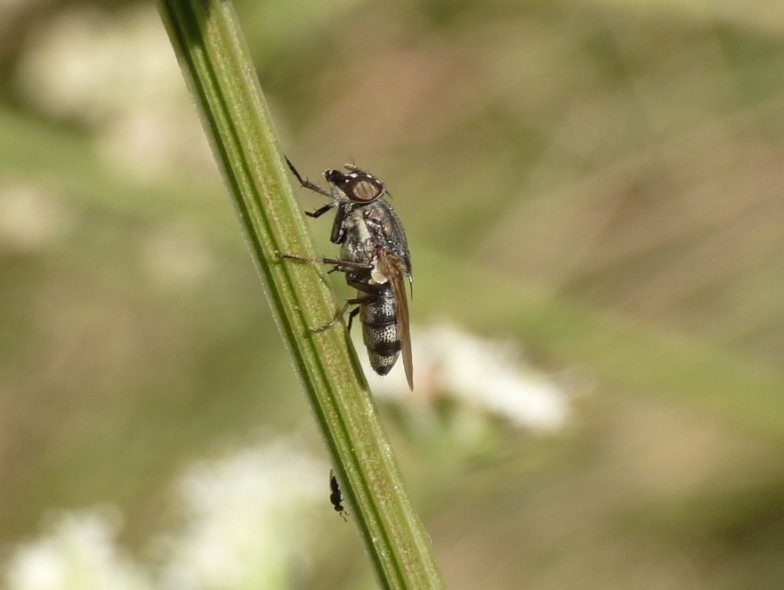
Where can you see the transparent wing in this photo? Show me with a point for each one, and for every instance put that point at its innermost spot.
(396, 271)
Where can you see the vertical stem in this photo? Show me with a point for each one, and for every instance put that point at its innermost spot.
(220, 75)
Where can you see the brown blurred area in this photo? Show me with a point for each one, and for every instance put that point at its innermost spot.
(600, 181)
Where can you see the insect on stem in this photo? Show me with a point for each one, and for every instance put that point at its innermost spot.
(335, 496)
(375, 259)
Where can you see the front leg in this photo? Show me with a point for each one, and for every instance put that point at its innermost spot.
(320, 211)
(306, 183)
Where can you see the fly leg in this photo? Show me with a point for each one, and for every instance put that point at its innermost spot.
(339, 265)
(316, 189)
(351, 317)
(320, 211)
(342, 266)
(342, 312)
(306, 183)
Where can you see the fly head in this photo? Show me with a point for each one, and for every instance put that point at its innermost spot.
(359, 186)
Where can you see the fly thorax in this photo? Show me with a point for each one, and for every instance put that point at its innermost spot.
(359, 245)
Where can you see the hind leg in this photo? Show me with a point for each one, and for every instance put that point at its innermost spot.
(341, 313)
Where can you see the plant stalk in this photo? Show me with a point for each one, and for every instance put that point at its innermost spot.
(218, 70)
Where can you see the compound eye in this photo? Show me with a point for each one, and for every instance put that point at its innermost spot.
(364, 188)
(335, 178)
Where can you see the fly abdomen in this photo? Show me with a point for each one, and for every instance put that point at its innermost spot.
(379, 331)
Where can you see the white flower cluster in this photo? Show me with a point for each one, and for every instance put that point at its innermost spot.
(249, 522)
(116, 73)
(78, 553)
(484, 374)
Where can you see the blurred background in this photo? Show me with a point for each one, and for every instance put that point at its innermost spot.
(592, 194)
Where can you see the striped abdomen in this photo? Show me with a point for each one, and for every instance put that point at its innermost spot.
(379, 331)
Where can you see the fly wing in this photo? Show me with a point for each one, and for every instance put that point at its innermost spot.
(388, 230)
(395, 269)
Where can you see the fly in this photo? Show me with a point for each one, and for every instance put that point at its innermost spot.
(375, 259)
(335, 496)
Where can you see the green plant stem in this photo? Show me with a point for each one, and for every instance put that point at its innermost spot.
(216, 65)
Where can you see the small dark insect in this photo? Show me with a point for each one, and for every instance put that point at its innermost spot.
(335, 496)
(374, 256)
